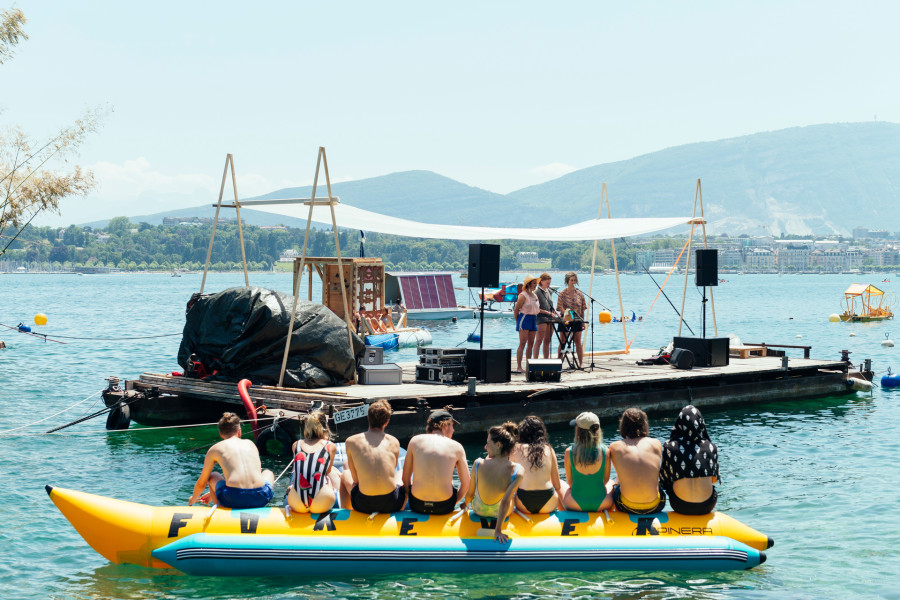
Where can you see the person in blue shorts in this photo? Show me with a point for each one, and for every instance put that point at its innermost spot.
(243, 482)
(525, 312)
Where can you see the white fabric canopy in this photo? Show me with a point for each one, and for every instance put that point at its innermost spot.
(357, 218)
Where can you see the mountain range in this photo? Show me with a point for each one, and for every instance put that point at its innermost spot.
(819, 180)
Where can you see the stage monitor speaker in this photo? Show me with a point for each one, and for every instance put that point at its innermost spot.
(682, 359)
(707, 267)
(489, 366)
(708, 352)
(484, 265)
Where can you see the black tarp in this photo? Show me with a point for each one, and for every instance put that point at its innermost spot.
(240, 332)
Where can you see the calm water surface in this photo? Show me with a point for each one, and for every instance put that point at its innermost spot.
(803, 471)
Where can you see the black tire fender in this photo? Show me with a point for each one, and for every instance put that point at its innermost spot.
(274, 433)
(119, 417)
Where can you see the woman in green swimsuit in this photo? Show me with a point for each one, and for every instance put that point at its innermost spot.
(587, 467)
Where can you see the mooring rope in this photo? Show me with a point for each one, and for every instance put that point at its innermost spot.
(51, 416)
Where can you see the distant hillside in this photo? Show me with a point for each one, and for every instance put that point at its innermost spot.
(821, 179)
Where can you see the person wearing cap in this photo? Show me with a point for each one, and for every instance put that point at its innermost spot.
(637, 458)
(544, 318)
(370, 484)
(587, 467)
(526, 311)
(428, 469)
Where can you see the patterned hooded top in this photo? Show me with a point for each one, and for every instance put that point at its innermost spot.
(689, 452)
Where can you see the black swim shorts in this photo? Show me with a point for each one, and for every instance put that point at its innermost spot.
(385, 503)
(693, 508)
(427, 507)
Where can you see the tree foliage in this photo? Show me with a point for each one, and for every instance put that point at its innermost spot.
(34, 175)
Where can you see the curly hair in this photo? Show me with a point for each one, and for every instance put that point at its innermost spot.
(379, 414)
(533, 432)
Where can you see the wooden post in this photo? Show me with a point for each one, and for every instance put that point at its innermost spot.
(237, 208)
(296, 286)
(215, 222)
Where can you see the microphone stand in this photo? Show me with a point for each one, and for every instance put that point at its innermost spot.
(593, 301)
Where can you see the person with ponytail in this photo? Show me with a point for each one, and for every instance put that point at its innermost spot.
(314, 478)
(539, 491)
(495, 479)
(587, 467)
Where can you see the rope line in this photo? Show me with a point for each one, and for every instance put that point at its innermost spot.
(117, 339)
(53, 415)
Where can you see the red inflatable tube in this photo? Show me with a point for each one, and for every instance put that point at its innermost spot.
(243, 384)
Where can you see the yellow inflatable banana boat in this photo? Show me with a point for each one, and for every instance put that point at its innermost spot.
(267, 541)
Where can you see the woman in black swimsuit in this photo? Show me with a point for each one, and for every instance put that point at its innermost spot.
(690, 465)
(539, 490)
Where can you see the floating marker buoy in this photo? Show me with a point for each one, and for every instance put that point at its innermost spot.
(605, 316)
(886, 342)
(852, 334)
(834, 318)
(890, 380)
(40, 319)
(473, 337)
(799, 337)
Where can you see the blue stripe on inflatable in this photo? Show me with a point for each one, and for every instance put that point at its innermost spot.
(212, 554)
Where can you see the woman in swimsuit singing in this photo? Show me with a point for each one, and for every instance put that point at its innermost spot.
(587, 467)
(495, 478)
(314, 478)
(539, 491)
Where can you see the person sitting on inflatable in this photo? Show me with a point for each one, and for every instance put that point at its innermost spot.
(690, 465)
(428, 469)
(539, 491)
(636, 458)
(493, 489)
(314, 478)
(245, 483)
(370, 483)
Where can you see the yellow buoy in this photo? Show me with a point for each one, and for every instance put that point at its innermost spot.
(40, 319)
(834, 317)
(605, 316)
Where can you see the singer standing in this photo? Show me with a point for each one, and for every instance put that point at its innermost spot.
(544, 318)
(571, 299)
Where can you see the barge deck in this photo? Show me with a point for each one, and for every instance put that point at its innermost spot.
(616, 382)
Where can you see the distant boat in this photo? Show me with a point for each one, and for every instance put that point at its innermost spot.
(875, 305)
(175, 273)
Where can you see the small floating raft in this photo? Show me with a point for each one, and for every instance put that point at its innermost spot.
(266, 541)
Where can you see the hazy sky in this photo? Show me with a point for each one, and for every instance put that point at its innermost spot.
(499, 95)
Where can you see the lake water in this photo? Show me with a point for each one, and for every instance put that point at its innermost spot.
(804, 472)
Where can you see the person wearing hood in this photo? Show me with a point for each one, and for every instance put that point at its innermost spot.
(690, 465)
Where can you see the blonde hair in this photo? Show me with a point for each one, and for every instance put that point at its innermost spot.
(587, 446)
(315, 426)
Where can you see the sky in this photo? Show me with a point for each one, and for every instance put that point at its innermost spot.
(497, 95)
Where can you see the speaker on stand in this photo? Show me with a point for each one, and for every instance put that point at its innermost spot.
(707, 274)
(484, 272)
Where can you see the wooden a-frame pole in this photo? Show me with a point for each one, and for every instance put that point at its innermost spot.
(604, 195)
(321, 161)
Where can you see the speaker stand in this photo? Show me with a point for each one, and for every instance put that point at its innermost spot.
(703, 311)
(481, 333)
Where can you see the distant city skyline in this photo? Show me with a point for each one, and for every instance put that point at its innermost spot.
(499, 95)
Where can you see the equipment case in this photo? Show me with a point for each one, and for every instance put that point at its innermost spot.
(388, 374)
(440, 374)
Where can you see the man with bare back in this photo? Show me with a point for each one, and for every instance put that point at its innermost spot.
(370, 483)
(428, 471)
(244, 484)
(636, 459)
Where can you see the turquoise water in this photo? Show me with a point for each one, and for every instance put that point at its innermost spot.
(798, 471)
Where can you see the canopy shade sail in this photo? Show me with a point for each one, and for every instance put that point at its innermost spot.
(357, 218)
(858, 289)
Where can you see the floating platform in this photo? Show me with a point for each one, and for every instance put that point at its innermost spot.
(615, 383)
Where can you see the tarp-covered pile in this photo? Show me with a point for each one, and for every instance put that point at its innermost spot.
(240, 332)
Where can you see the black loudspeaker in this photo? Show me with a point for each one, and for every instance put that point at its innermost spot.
(708, 352)
(707, 267)
(484, 265)
(489, 366)
(682, 359)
